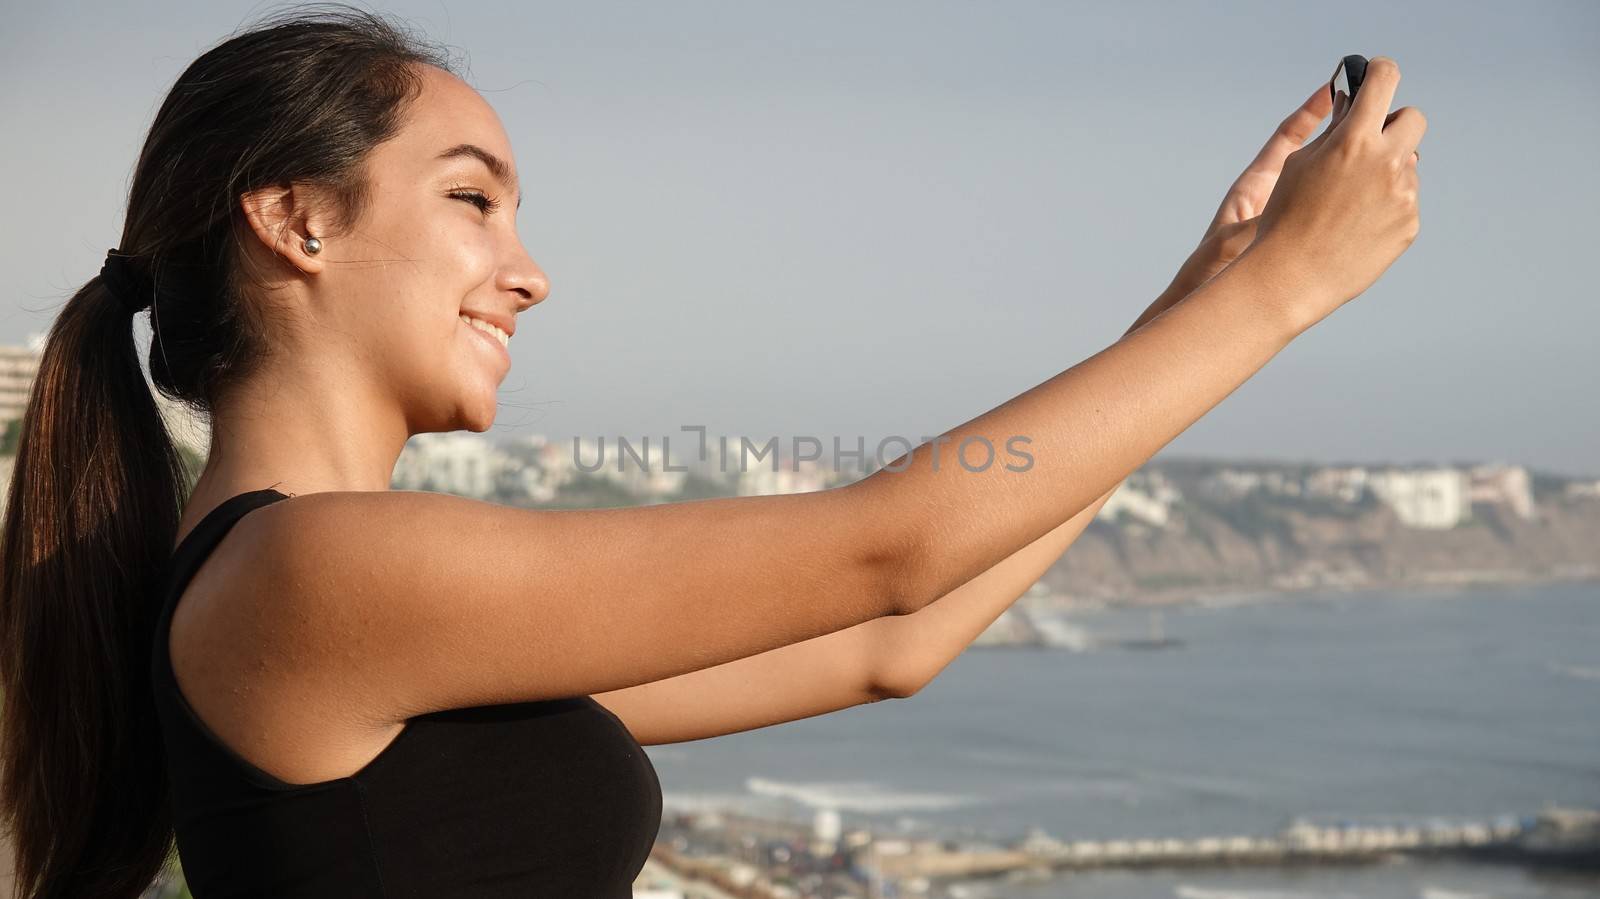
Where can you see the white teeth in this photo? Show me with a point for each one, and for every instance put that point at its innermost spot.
(487, 328)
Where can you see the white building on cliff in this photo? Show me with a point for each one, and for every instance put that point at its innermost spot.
(1424, 498)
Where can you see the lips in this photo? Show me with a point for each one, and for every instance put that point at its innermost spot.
(489, 341)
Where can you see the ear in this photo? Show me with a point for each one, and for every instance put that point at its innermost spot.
(282, 217)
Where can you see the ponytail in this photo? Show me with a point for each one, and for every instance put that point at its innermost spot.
(90, 518)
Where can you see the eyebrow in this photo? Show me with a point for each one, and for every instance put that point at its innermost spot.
(497, 166)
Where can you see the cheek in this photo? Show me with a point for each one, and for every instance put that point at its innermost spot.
(455, 259)
(468, 264)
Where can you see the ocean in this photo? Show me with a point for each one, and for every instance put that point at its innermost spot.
(1466, 703)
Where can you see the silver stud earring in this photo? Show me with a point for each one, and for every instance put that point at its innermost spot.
(313, 246)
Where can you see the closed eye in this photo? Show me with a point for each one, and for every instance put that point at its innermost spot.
(485, 203)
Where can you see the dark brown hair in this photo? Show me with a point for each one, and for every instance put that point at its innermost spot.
(301, 96)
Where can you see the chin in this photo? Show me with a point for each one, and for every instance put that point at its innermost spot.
(478, 420)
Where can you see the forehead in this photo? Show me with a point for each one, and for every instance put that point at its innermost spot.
(446, 113)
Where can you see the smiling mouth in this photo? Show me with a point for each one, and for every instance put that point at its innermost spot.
(494, 331)
(493, 337)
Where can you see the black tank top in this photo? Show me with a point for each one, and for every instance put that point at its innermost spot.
(548, 798)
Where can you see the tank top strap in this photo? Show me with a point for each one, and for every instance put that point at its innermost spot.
(191, 551)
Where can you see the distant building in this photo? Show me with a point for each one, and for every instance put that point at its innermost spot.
(538, 471)
(800, 476)
(18, 366)
(463, 464)
(7, 464)
(1344, 484)
(1424, 498)
(637, 465)
(826, 829)
(1145, 495)
(1576, 489)
(640, 466)
(1508, 485)
(1230, 482)
(1134, 502)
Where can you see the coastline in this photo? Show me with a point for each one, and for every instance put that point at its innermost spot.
(1221, 595)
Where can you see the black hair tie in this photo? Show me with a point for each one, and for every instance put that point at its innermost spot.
(118, 275)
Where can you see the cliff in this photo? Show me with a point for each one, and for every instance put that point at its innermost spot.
(1260, 543)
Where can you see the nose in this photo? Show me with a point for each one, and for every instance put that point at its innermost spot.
(523, 277)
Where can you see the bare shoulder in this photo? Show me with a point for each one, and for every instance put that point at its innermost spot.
(390, 604)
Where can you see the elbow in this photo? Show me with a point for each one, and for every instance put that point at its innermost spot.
(902, 580)
(895, 685)
(894, 558)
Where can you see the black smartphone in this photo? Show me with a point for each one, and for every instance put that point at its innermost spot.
(1347, 76)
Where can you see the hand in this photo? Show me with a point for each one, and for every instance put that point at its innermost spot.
(1345, 205)
(1233, 228)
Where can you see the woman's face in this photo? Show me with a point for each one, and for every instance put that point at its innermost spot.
(437, 241)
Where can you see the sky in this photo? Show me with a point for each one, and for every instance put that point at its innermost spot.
(845, 219)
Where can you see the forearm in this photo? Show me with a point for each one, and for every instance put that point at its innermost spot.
(1086, 429)
(910, 650)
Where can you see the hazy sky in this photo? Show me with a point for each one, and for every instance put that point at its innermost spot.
(886, 218)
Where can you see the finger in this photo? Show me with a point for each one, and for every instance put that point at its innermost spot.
(1268, 162)
(1377, 93)
(1292, 132)
(1405, 128)
(1341, 109)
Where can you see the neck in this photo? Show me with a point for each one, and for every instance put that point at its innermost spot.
(305, 429)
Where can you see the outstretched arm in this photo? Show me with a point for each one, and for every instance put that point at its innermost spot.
(911, 650)
(879, 659)
(896, 656)
(884, 658)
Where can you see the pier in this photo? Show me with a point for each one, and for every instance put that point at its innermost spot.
(1566, 837)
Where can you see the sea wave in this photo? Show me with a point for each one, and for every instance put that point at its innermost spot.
(1429, 892)
(1581, 672)
(683, 801)
(857, 796)
(1188, 891)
